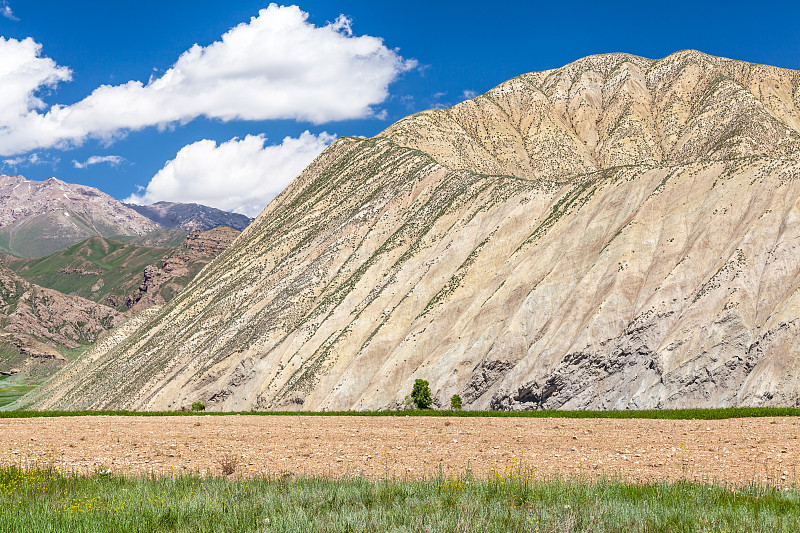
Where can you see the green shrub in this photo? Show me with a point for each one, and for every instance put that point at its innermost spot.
(421, 394)
(408, 403)
(455, 402)
(198, 406)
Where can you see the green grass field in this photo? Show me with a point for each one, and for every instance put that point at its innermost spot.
(664, 414)
(42, 500)
(11, 391)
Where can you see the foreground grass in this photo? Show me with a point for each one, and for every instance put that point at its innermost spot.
(663, 414)
(42, 501)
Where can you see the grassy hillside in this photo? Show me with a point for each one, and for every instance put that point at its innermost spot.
(167, 237)
(96, 269)
(11, 390)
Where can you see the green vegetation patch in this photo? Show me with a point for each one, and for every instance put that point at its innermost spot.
(662, 414)
(11, 391)
(94, 269)
(44, 500)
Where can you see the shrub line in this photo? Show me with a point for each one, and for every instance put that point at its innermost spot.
(665, 414)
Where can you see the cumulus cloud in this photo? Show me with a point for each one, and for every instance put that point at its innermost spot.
(469, 94)
(22, 74)
(5, 10)
(240, 175)
(112, 160)
(277, 66)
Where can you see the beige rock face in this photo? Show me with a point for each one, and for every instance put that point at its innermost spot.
(618, 233)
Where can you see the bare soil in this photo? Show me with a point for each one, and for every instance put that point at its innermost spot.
(738, 451)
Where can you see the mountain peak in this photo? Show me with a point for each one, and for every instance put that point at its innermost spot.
(608, 110)
(41, 217)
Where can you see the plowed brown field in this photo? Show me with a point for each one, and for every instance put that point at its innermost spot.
(765, 450)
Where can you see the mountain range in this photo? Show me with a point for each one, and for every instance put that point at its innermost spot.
(76, 258)
(618, 233)
(93, 285)
(190, 217)
(38, 218)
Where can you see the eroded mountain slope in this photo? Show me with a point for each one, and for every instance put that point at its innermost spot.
(518, 255)
(38, 325)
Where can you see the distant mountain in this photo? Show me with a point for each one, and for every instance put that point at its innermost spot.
(39, 326)
(38, 218)
(191, 217)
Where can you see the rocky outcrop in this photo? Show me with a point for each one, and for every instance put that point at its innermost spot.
(618, 233)
(160, 283)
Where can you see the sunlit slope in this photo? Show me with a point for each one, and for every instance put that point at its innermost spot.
(615, 109)
(653, 264)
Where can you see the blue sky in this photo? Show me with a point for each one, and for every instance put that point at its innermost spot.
(226, 147)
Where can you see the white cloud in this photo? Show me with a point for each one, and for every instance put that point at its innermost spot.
(408, 101)
(22, 74)
(436, 100)
(112, 160)
(17, 161)
(240, 175)
(469, 94)
(31, 159)
(277, 66)
(5, 10)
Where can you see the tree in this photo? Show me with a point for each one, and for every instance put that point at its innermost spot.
(455, 402)
(421, 394)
